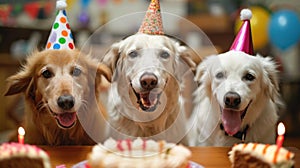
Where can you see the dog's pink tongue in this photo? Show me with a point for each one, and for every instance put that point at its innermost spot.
(67, 119)
(148, 98)
(231, 121)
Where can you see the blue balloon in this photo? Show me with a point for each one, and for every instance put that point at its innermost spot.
(284, 29)
(85, 3)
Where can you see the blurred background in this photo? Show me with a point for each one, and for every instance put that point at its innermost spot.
(26, 24)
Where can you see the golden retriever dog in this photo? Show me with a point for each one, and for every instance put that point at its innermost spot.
(145, 95)
(61, 91)
(237, 100)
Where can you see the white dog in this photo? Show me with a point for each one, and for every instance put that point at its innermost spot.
(236, 100)
(145, 97)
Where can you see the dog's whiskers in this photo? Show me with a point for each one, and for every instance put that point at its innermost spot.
(84, 104)
(41, 105)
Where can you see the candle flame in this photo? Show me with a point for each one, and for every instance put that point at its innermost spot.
(281, 129)
(21, 131)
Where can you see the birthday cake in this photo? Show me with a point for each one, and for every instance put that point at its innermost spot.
(16, 155)
(138, 153)
(248, 155)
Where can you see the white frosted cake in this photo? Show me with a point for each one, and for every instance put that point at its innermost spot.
(138, 153)
(17, 155)
(248, 155)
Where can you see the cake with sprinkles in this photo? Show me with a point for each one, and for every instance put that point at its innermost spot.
(16, 155)
(138, 153)
(248, 155)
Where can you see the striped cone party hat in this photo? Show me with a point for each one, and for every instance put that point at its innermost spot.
(152, 23)
(61, 36)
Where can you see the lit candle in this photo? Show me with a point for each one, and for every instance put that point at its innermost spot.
(280, 137)
(21, 133)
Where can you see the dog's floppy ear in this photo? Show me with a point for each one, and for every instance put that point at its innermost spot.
(104, 70)
(270, 77)
(186, 53)
(190, 57)
(24, 80)
(186, 62)
(19, 82)
(201, 69)
(202, 73)
(111, 56)
(203, 76)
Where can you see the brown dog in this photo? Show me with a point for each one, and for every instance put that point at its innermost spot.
(60, 87)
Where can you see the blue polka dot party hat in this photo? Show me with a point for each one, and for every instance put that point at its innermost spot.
(61, 35)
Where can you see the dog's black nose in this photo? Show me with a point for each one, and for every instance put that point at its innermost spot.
(66, 102)
(148, 81)
(232, 99)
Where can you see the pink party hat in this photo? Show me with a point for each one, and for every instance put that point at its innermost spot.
(152, 23)
(61, 36)
(243, 40)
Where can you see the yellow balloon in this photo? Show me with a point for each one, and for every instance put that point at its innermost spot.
(259, 26)
(70, 3)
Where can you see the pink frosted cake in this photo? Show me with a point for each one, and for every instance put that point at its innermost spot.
(138, 153)
(253, 155)
(17, 155)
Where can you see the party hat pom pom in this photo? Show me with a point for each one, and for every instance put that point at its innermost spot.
(246, 14)
(61, 5)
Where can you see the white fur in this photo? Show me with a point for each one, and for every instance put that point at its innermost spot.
(262, 92)
(127, 119)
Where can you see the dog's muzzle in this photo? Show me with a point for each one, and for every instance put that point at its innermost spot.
(230, 115)
(148, 97)
(67, 118)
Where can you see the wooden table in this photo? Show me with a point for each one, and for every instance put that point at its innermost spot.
(205, 156)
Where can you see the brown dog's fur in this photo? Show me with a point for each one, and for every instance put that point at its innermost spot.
(41, 95)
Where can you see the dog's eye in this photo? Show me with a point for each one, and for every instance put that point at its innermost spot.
(220, 75)
(133, 54)
(249, 77)
(164, 55)
(47, 74)
(76, 71)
